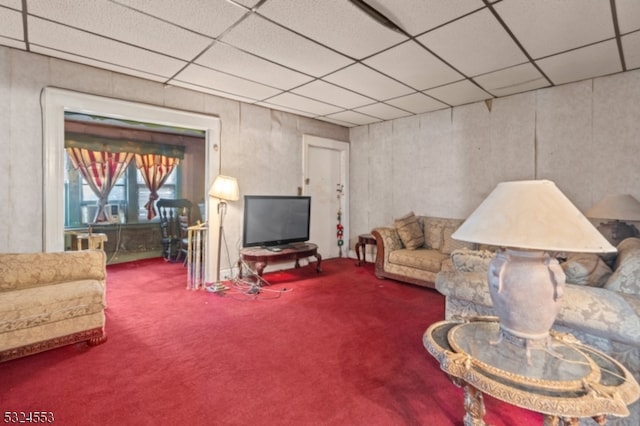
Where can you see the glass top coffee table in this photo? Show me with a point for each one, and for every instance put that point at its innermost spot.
(562, 379)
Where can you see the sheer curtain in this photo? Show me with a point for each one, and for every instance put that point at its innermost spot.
(155, 169)
(101, 170)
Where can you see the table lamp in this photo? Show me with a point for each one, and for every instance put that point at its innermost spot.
(528, 219)
(617, 209)
(225, 189)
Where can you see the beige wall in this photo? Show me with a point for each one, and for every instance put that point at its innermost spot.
(261, 147)
(583, 136)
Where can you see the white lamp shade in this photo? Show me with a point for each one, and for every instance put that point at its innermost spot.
(616, 207)
(225, 188)
(535, 215)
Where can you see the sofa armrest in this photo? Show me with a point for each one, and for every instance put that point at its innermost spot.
(467, 286)
(27, 270)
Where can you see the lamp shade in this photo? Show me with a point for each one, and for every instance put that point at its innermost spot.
(616, 207)
(532, 214)
(225, 188)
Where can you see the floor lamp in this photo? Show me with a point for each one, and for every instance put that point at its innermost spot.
(225, 189)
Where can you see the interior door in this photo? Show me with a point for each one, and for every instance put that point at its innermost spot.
(325, 180)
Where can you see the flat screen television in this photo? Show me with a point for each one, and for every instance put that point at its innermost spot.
(275, 220)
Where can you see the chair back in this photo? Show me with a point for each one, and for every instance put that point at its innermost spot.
(174, 216)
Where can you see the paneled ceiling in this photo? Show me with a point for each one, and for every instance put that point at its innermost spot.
(330, 59)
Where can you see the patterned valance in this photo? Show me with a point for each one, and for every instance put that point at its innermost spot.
(102, 144)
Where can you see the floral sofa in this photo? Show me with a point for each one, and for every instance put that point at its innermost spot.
(49, 300)
(416, 248)
(601, 303)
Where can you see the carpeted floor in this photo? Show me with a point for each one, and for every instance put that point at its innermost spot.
(338, 348)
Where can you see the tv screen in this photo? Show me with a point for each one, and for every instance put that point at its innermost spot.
(275, 220)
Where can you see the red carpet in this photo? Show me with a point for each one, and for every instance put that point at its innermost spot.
(339, 348)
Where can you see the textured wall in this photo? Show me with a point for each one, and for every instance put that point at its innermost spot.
(261, 147)
(583, 136)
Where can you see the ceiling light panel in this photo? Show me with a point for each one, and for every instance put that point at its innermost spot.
(383, 111)
(542, 26)
(460, 93)
(11, 24)
(418, 16)
(417, 103)
(230, 60)
(68, 40)
(414, 65)
(301, 103)
(631, 49)
(205, 77)
(332, 94)
(591, 61)
(337, 24)
(208, 17)
(628, 12)
(520, 78)
(272, 42)
(474, 45)
(368, 82)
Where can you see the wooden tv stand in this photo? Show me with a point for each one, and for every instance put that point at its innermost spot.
(260, 257)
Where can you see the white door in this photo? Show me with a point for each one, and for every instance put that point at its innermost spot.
(326, 177)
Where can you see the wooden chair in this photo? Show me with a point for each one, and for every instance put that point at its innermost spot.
(172, 213)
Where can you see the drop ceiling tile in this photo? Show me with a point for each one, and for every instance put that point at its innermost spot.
(67, 40)
(123, 24)
(12, 43)
(368, 82)
(332, 94)
(337, 24)
(208, 17)
(211, 79)
(414, 65)
(272, 42)
(230, 60)
(418, 16)
(383, 111)
(211, 91)
(291, 100)
(460, 93)
(14, 4)
(628, 12)
(417, 103)
(520, 78)
(474, 45)
(334, 121)
(591, 61)
(631, 49)
(11, 24)
(248, 3)
(285, 109)
(353, 117)
(548, 27)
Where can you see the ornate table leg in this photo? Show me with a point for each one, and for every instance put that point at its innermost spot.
(473, 403)
(319, 258)
(358, 245)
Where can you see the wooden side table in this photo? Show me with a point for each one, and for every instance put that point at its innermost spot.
(261, 257)
(363, 240)
(564, 379)
(94, 240)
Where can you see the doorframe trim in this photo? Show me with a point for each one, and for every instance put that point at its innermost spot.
(342, 147)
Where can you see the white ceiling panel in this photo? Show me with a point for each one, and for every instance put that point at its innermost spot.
(82, 44)
(628, 12)
(291, 100)
(383, 111)
(332, 94)
(208, 78)
(417, 103)
(208, 17)
(17, 44)
(353, 117)
(201, 89)
(269, 41)
(283, 108)
(460, 93)
(337, 24)
(230, 60)
(123, 24)
(631, 48)
(520, 78)
(591, 61)
(475, 45)
(414, 66)
(15, 4)
(418, 16)
(541, 26)
(11, 24)
(368, 82)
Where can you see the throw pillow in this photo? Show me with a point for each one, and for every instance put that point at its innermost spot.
(449, 244)
(465, 260)
(626, 275)
(409, 231)
(586, 269)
